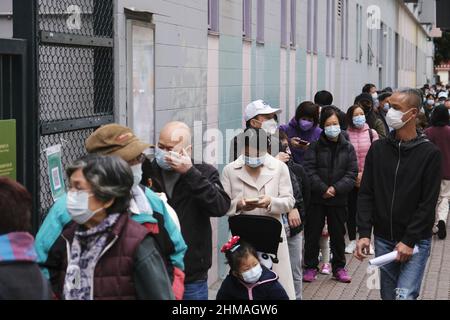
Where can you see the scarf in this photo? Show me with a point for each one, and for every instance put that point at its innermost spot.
(86, 250)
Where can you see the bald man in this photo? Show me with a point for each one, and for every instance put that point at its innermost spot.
(397, 199)
(196, 194)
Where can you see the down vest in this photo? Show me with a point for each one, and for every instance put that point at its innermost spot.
(361, 141)
(324, 170)
(130, 266)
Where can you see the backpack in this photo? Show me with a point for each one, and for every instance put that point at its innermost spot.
(262, 232)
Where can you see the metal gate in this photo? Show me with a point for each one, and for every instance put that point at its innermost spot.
(71, 52)
(13, 102)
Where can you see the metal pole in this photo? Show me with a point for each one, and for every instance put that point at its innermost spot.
(25, 26)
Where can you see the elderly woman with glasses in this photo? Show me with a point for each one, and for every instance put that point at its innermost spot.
(104, 254)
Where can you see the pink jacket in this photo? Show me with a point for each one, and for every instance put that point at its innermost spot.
(360, 139)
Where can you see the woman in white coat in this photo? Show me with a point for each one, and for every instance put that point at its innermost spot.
(256, 174)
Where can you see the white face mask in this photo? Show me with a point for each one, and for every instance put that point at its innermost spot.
(137, 174)
(78, 206)
(375, 96)
(394, 119)
(252, 275)
(270, 126)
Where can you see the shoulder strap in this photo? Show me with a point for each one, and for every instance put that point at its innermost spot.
(371, 135)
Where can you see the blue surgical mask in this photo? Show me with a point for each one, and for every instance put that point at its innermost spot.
(333, 132)
(254, 162)
(359, 121)
(160, 156)
(386, 107)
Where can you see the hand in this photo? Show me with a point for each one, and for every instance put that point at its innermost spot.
(181, 163)
(264, 202)
(362, 249)
(330, 193)
(283, 157)
(358, 180)
(295, 142)
(294, 218)
(243, 206)
(404, 252)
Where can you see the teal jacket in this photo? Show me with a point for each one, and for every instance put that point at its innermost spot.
(58, 217)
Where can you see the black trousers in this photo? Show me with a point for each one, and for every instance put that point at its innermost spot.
(352, 208)
(315, 221)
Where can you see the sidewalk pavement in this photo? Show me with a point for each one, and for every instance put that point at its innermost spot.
(435, 286)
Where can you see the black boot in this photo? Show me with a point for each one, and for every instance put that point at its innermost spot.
(442, 229)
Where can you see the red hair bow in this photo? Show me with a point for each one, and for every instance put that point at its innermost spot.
(230, 244)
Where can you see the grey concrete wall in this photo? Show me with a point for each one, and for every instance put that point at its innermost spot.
(180, 61)
(6, 29)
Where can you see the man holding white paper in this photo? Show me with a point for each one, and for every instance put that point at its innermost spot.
(398, 195)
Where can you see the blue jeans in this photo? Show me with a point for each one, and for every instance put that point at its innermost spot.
(402, 281)
(197, 290)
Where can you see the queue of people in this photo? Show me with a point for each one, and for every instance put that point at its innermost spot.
(131, 227)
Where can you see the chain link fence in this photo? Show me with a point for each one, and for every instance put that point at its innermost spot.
(75, 79)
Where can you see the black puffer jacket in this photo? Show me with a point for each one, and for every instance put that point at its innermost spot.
(324, 170)
(302, 192)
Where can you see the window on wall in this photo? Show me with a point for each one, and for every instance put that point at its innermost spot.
(247, 19)
(284, 35)
(260, 21)
(359, 22)
(331, 27)
(343, 13)
(213, 16)
(370, 52)
(381, 44)
(312, 26)
(293, 23)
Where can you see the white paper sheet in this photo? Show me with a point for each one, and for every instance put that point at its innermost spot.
(388, 258)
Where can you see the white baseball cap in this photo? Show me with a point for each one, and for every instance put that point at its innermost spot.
(443, 94)
(258, 107)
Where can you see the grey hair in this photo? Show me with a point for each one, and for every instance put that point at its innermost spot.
(110, 178)
(415, 97)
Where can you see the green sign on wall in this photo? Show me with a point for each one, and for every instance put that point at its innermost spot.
(8, 148)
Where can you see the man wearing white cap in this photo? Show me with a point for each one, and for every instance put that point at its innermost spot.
(442, 96)
(259, 115)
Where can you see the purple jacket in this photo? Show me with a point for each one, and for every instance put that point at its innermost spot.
(293, 130)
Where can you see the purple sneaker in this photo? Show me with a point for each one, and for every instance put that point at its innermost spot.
(341, 275)
(309, 275)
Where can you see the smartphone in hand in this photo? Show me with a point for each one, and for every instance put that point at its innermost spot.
(252, 200)
(301, 142)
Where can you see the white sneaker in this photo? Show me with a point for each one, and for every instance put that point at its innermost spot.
(372, 250)
(350, 248)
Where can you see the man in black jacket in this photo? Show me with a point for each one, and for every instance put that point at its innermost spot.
(196, 194)
(398, 198)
